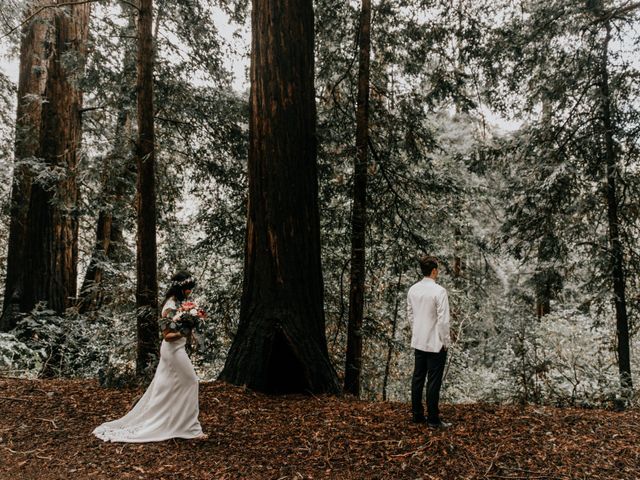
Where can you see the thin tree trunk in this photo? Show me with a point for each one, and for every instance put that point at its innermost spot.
(543, 305)
(108, 235)
(615, 242)
(146, 248)
(34, 62)
(394, 327)
(281, 343)
(353, 363)
(51, 245)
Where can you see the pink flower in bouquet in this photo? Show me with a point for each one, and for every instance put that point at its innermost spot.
(192, 309)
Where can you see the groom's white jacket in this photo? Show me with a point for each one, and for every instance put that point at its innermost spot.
(428, 314)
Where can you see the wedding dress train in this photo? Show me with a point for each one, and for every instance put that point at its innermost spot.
(169, 407)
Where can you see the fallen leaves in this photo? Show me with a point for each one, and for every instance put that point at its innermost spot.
(47, 435)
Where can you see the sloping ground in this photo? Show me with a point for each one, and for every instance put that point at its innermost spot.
(45, 427)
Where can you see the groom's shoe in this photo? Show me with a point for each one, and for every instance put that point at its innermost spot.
(419, 419)
(439, 424)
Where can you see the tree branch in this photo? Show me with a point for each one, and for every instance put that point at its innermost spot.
(617, 12)
(58, 5)
(90, 109)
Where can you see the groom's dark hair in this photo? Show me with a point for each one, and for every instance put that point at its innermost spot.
(427, 264)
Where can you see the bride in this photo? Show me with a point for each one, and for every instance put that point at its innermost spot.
(169, 407)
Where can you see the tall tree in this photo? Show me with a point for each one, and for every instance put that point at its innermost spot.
(116, 170)
(613, 217)
(353, 363)
(146, 247)
(51, 245)
(588, 124)
(280, 345)
(34, 60)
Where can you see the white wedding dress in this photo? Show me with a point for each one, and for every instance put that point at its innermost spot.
(168, 409)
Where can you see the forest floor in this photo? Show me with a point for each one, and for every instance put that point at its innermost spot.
(45, 430)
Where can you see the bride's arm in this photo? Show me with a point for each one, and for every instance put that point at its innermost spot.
(169, 311)
(170, 335)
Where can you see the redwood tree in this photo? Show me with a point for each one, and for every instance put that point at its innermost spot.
(146, 248)
(613, 217)
(353, 364)
(280, 345)
(51, 241)
(34, 62)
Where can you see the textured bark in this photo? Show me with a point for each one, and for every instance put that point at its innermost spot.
(615, 242)
(543, 305)
(146, 248)
(280, 345)
(34, 60)
(353, 362)
(51, 246)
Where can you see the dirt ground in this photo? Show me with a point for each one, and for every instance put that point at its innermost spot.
(45, 433)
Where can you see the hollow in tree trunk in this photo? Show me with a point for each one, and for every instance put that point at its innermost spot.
(280, 345)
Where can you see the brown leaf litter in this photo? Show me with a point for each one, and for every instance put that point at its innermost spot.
(45, 433)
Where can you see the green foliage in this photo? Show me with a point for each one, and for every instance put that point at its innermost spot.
(67, 345)
(18, 359)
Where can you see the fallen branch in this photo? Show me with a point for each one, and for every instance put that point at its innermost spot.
(15, 398)
(47, 420)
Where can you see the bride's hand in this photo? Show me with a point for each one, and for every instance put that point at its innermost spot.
(171, 336)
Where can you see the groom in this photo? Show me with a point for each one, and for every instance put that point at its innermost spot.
(428, 313)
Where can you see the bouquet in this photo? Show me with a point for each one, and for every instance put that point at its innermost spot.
(187, 318)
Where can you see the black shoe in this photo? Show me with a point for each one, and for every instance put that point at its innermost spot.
(419, 419)
(438, 424)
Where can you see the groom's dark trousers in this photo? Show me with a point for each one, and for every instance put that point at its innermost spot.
(429, 366)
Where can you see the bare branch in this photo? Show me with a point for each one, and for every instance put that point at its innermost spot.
(58, 5)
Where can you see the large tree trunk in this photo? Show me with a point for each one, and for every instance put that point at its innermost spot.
(146, 249)
(353, 363)
(116, 171)
(34, 64)
(615, 243)
(280, 345)
(51, 246)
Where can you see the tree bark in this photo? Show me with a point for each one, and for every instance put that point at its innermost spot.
(353, 363)
(146, 248)
(615, 242)
(281, 345)
(51, 243)
(34, 61)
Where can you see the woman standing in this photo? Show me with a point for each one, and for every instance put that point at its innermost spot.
(169, 408)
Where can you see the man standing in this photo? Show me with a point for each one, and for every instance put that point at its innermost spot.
(428, 314)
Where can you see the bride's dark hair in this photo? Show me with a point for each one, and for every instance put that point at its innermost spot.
(181, 281)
